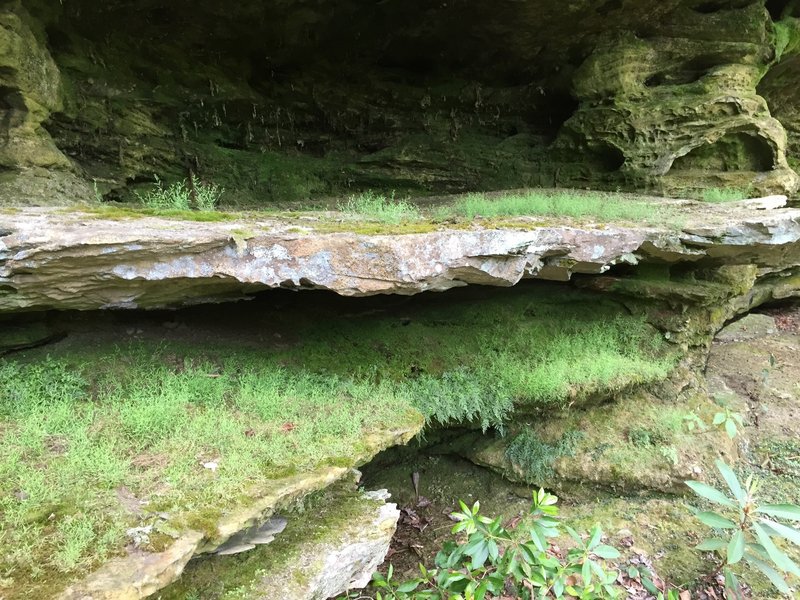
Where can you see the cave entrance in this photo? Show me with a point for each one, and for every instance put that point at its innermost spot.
(732, 152)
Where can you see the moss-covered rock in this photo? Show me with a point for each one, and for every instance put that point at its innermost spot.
(285, 102)
(637, 443)
(333, 543)
(680, 106)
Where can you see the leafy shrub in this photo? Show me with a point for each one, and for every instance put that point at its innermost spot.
(746, 531)
(490, 561)
(380, 208)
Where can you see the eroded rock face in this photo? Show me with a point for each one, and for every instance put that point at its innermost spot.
(30, 90)
(284, 101)
(682, 109)
(53, 260)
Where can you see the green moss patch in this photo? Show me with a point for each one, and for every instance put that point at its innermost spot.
(101, 435)
(556, 203)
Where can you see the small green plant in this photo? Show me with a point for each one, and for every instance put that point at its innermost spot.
(97, 195)
(694, 423)
(206, 195)
(717, 195)
(489, 561)
(374, 206)
(730, 420)
(536, 457)
(181, 195)
(727, 419)
(767, 371)
(748, 531)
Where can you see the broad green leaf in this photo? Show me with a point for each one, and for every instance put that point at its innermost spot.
(597, 534)
(586, 573)
(709, 493)
(757, 550)
(780, 511)
(558, 587)
(479, 558)
(649, 585)
(607, 552)
(480, 593)
(719, 418)
(730, 428)
(711, 545)
(733, 590)
(494, 551)
(538, 540)
(574, 535)
(783, 562)
(736, 547)
(775, 577)
(730, 477)
(475, 541)
(408, 586)
(598, 570)
(789, 533)
(715, 520)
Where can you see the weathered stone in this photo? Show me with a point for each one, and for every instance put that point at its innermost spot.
(342, 560)
(749, 327)
(333, 542)
(289, 101)
(51, 259)
(682, 110)
(30, 89)
(18, 336)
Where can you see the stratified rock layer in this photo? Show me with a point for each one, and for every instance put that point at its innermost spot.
(57, 260)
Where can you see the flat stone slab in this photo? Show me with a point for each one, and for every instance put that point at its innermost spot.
(52, 259)
(141, 574)
(750, 327)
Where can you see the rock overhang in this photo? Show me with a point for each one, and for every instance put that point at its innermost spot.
(50, 259)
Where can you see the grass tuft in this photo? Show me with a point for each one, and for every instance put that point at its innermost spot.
(369, 205)
(597, 205)
(718, 195)
(93, 424)
(181, 195)
(536, 457)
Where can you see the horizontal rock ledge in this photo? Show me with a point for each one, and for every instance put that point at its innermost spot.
(51, 259)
